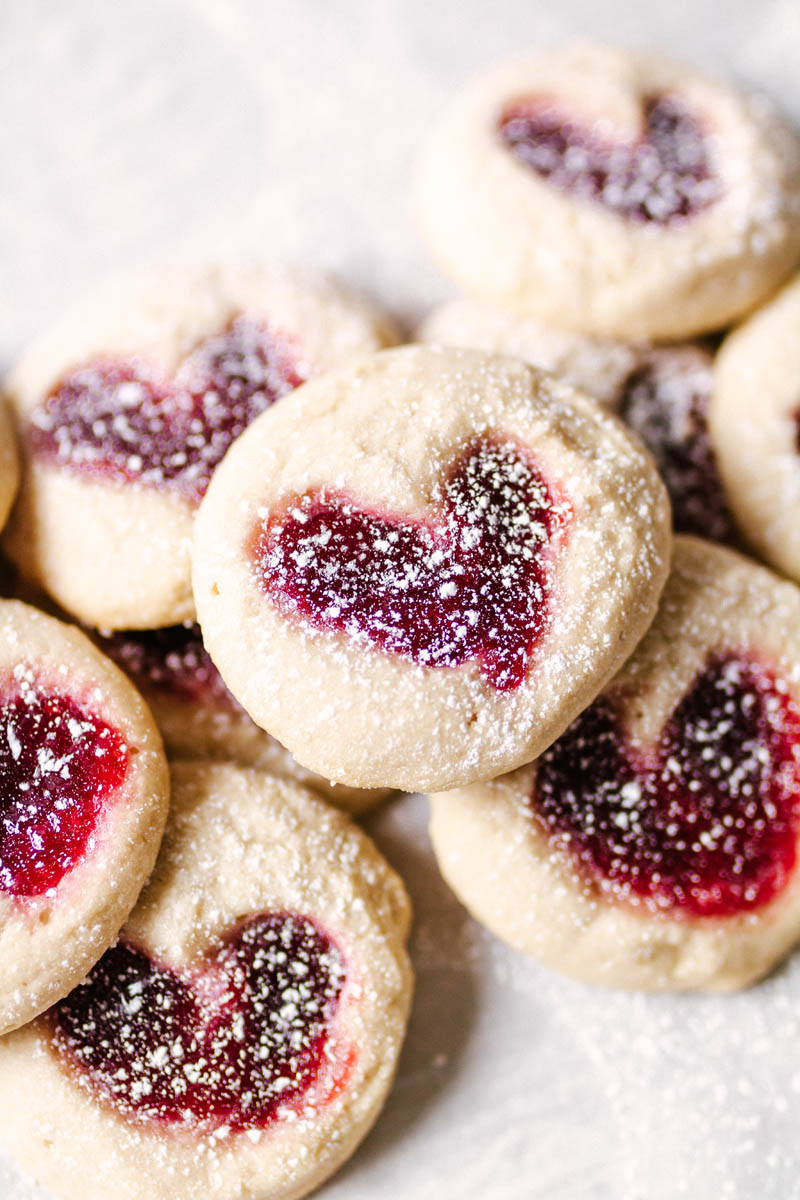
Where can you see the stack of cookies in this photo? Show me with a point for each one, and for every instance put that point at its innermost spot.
(307, 567)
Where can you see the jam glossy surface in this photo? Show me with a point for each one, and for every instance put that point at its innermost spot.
(59, 766)
(666, 402)
(125, 420)
(470, 583)
(665, 176)
(228, 1044)
(172, 660)
(706, 821)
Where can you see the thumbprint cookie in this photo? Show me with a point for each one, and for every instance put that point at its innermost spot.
(429, 566)
(241, 1036)
(125, 407)
(611, 192)
(83, 800)
(655, 843)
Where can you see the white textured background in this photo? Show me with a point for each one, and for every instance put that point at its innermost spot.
(131, 127)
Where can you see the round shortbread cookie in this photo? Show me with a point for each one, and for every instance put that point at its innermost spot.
(655, 844)
(83, 800)
(662, 392)
(611, 192)
(9, 464)
(199, 718)
(425, 574)
(126, 406)
(240, 1038)
(755, 428)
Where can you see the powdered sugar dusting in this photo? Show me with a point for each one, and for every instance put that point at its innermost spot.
(59, 765)
(664, 177)
(472, 584)
(172, 660)
(666, 401)
(231, 1045)
(126, 419)
(705, 823)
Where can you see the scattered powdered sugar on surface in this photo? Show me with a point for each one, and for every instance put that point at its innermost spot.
(665, 177)
(127, 420)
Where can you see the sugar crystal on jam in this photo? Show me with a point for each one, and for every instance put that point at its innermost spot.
(664, 176)
(229, 1043)
(469, 582)
(704, 822)
(59, 765)
(125, 420)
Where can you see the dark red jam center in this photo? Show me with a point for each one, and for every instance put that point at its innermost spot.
(59, 765)
(664, 176)
(126, 420)
(666, 403)
(230, 1043)
(471, 583)
(172, 660)
(705, 822)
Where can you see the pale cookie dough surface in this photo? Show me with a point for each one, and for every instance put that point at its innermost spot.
(597, 366)
(116, 553)
(510, 237)
(49, 941)
(239, 843)
(385, 432)
(9, 464)
(199, 718)
(755, 428)
(514, 874)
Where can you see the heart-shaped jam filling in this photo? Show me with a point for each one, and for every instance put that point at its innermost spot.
(703, 823)
(128, 421)
(234, 1042)
(666, 403)
(172, 660)
(470, 583)
(59, 767)
(666, 175)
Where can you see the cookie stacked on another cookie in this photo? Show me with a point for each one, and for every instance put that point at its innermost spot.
(656, 843)
(83, 801)
(611, 192)
(626, 200)
(434, 567)
(418, 572)
(127, 404)
(242, 1034)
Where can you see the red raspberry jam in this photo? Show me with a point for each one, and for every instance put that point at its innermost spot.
(172, 660)
(59, 767)
(127, 421)
(228, 1043)
(663, 177)
(470, 583)
(703, 823)
(666, 403)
